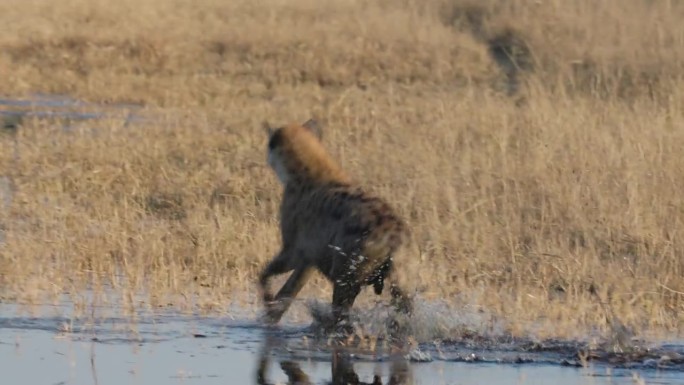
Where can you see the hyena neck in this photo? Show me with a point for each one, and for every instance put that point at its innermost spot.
(301, 183)
(315, 172)
(308, 162)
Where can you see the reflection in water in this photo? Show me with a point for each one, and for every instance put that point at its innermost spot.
(166, 349)
(93, 370)
(342, 367)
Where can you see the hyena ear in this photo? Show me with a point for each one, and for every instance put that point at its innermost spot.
(267, 128)
(314, 127)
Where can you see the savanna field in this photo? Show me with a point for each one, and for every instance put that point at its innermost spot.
(534, 147)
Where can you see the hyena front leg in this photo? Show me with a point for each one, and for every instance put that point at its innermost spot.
(280, 264)
(287, 293)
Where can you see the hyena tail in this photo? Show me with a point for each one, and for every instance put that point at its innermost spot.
(377, 279)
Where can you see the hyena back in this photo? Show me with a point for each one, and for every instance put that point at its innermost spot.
(330, 224)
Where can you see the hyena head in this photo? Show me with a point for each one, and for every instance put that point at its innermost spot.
(295, 153)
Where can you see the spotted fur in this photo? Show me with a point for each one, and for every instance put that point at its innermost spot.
(328, 223)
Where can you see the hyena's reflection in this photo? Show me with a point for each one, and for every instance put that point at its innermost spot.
(342, 369)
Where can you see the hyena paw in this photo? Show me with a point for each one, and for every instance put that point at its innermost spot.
(403, 305)
(274, 310)
(267, 298)
(399, 328)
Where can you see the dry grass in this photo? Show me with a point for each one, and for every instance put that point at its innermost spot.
(546, 190)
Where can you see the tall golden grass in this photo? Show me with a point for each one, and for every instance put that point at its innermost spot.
(534, 147)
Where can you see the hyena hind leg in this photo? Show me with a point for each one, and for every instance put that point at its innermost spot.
(344, 295)
(401, 300)
(287, 294)
(399, 327)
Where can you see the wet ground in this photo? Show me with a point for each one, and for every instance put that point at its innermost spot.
(65, 110)
(181, 349)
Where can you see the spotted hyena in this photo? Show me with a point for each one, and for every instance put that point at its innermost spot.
(329, 223)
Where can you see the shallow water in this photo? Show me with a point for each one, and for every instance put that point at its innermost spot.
(176, 349)
(14, 111)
